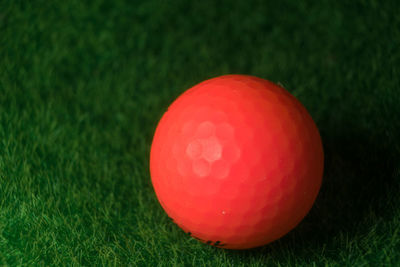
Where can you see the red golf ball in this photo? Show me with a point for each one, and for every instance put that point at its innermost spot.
(236, 161)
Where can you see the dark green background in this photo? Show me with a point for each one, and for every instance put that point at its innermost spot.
(83, 84)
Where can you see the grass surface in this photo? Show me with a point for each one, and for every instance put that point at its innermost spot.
(84, 83)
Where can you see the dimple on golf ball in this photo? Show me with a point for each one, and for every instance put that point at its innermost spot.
(236, 161)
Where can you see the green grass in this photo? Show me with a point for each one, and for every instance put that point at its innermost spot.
(84, 83)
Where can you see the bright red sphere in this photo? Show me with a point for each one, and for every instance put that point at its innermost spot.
(236, 161)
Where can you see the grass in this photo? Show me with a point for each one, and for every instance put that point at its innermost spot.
(83, 84)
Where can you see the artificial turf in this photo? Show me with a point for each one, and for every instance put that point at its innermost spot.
(84, 83)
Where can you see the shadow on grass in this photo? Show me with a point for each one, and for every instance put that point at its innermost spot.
(358, 183)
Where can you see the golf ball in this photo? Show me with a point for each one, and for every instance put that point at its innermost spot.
(236, 161)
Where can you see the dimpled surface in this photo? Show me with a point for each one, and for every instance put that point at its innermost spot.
(236, 161)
